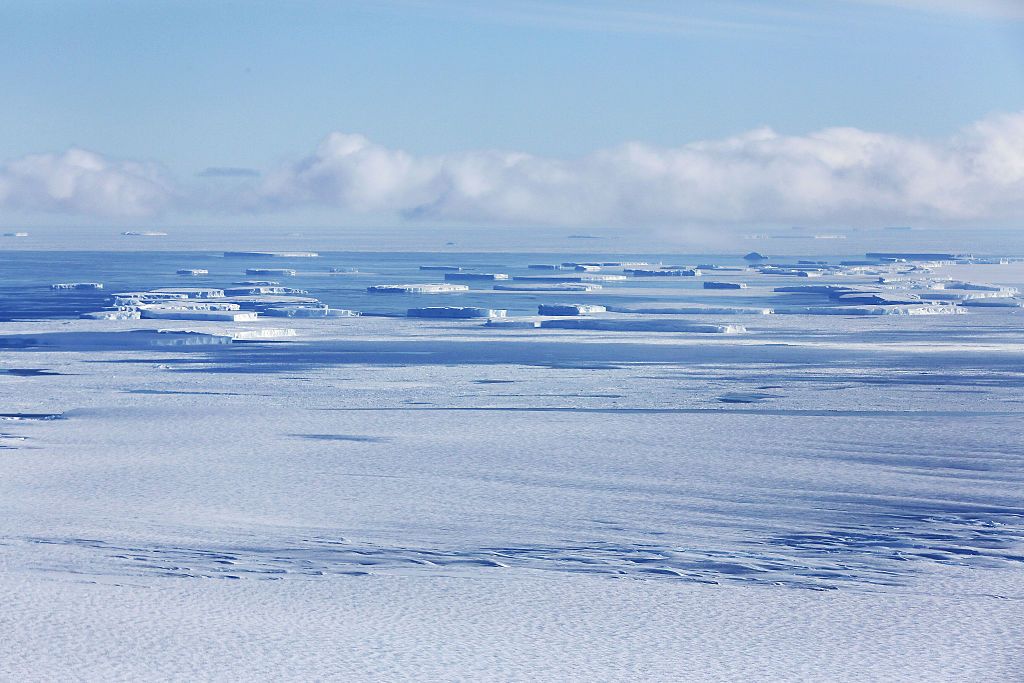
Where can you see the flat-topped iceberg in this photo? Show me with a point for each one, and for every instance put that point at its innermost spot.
(263, 333)
(869, 310)
(550, 287)
(791, 272)
(136, 298)
(456, 312)
(257, 301)
(663, 272)
(513, 323)
(718, 284)
(192, 271)
(910, 256)
(111, 315)
(187, 314)
(128, 339)
(190, 305)
(576, 277)
(428, 288)
(309, 311)
(973, 286)
(879, 298)
(691, 310)
(452, 269)
(569, 309)
(993, 302)
(475, 276)
(256, 290)
(77, 285)
(271, 254)
(641, 325)
(286, 272)
(191, 292)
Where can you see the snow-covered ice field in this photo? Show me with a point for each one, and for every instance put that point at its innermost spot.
(788, 496)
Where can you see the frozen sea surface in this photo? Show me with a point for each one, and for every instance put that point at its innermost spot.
(380, 498)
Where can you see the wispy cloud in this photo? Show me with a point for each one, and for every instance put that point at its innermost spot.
(642, 16)
(994, 9)
(726, 18)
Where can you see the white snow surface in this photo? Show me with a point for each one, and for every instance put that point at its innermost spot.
(822, 498)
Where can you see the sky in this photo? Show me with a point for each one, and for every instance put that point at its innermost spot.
(704, 113)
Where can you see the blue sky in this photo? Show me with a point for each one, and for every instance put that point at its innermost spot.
(259, 85)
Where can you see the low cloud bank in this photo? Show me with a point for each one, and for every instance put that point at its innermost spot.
(833, 176)
(78, 182)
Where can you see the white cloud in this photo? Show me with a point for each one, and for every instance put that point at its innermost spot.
(82, 183)
(833, 175)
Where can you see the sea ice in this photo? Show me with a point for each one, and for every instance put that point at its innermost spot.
(456, 312)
